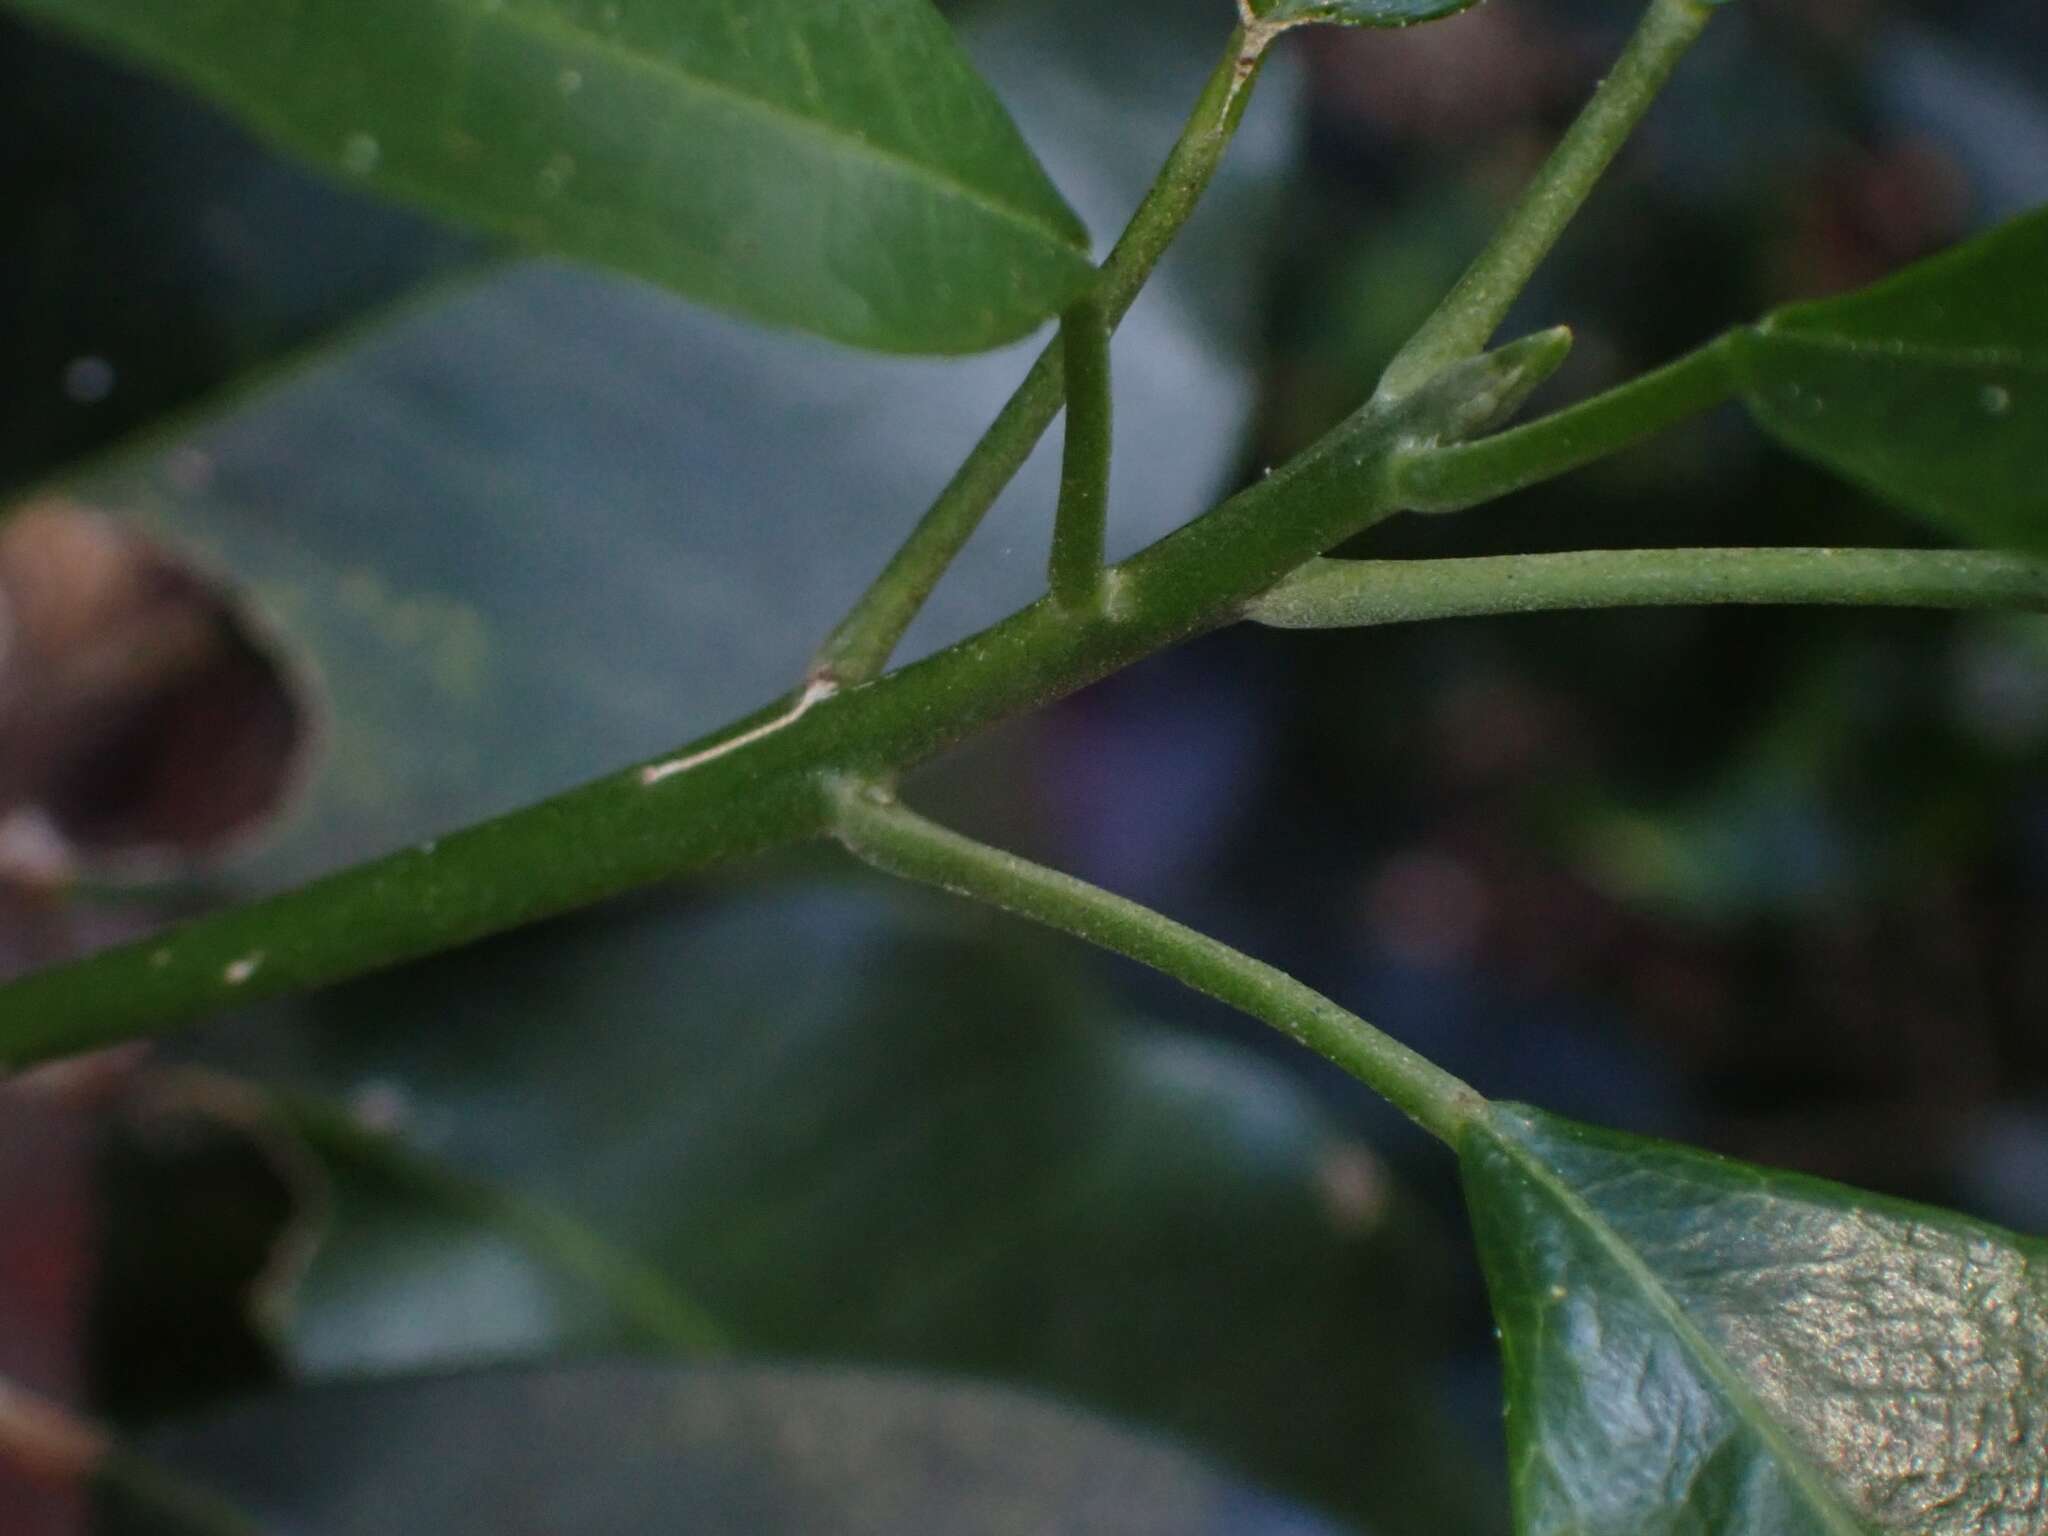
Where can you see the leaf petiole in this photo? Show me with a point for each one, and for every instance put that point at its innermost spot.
(1339, 594)
(1450, 479)
(877, 829)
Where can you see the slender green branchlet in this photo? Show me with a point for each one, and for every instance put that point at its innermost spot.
(1075, 571)
(860, 647)
(1474, 309)
(875, 827)
(1461, 475)
(752, 785)
(1341, 594)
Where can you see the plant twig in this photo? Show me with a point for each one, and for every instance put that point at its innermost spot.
(1075, 572)
(632, 828)
(876, 828)
(1450, 479)
(1473, 310)
(860, 647)
(1337, 594)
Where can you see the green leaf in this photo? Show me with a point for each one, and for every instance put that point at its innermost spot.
(834, 165)
(1929, 389)
(848, 1127)
(1704, 1346)
(1357, 13)
(715, 1452)
(554, 524)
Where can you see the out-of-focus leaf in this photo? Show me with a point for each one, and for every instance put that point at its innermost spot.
(1700, 1345)
(1358, 13)
(48, 1256)
(1764, 837)
(156, 252)
(1929, 389)
(835, 165)
(559, 523)
(841, 1127)
(709, 1451)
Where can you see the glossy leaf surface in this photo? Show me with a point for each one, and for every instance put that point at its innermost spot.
(1358, 13)
(711, 1451)
(1705, 1346)
(1929, 389)
(845, 1126)
(422, 518)
(834, 165)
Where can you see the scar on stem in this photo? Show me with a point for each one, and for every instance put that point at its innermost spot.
(816, 691)
(1258, 34)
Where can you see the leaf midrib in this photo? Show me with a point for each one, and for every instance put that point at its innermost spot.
(1808, 1479)
(2014, 360)
(553, 28)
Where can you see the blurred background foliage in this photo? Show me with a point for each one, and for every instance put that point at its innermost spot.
(1771, 881)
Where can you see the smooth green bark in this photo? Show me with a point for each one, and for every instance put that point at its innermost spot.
(717, 799)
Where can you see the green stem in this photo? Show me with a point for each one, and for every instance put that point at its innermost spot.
(889, 836)
(1336, 594)
(642, 1296)
(1075, 572)
(1473, 310)
(1469, 474)
(754, 785)
(865, 639)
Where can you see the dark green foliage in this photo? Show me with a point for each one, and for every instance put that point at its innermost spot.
(850, 1130)
(834, 165)
(815, 1127)
(1930, 389)
(1703, 1346)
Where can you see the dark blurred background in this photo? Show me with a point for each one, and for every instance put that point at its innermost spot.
(1771, 881)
